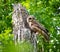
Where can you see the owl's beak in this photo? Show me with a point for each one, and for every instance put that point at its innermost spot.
(31, 20)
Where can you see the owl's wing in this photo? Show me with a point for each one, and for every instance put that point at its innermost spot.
(41, 28)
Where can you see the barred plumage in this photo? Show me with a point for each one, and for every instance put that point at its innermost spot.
(37, 27)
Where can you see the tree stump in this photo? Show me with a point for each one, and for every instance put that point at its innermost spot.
(21, 29)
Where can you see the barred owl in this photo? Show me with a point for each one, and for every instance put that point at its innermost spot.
(37, 27)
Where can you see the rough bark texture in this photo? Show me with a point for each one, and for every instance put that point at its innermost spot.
(21, 29)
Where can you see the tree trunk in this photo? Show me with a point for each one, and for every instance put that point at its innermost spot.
(21, 29)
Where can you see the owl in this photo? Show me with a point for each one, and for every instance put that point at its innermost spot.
(37, 27)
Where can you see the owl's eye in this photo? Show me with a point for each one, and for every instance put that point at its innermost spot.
(29, 18)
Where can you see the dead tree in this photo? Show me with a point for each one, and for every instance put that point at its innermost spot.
(21, 29)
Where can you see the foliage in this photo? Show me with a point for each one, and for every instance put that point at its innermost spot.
(21, 47)
(45, 11)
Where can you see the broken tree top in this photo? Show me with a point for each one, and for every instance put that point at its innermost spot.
(21, 29)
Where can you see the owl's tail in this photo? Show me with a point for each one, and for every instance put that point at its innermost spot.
(46, 36)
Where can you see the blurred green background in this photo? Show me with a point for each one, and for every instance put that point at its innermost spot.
(45, 11)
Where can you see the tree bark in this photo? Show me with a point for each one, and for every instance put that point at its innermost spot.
(21, 29)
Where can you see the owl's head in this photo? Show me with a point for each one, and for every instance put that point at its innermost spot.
(30, 18)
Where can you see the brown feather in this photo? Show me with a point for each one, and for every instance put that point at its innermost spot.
(39, 28)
